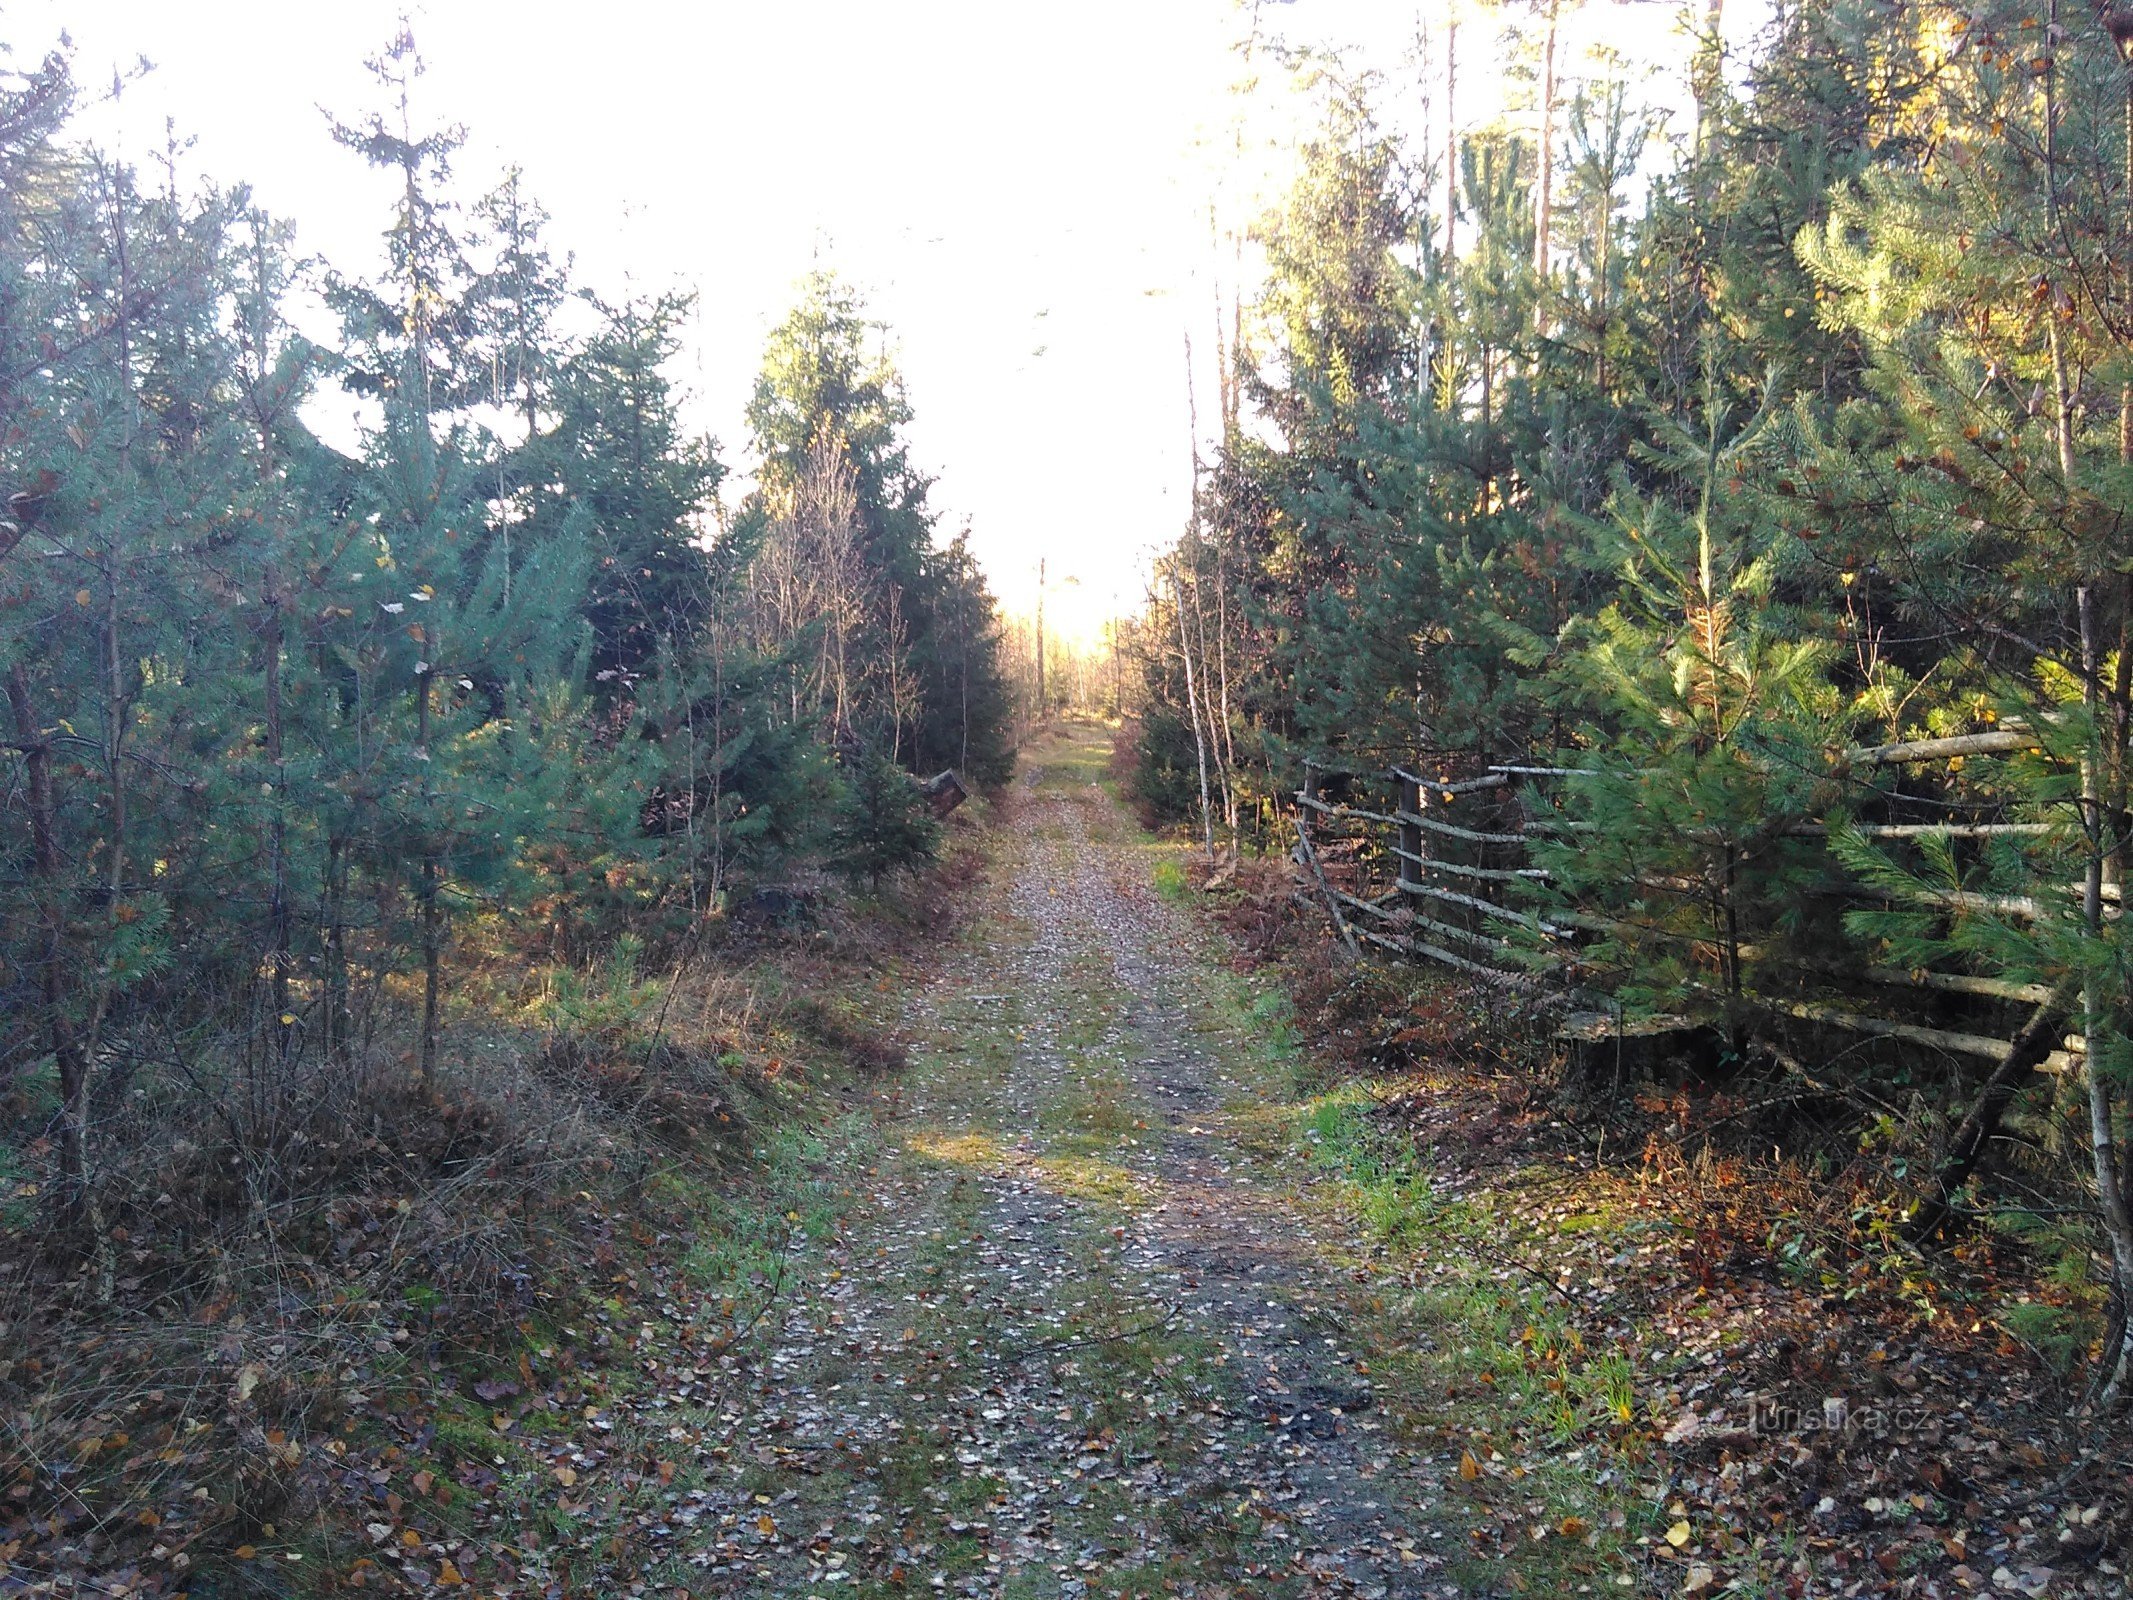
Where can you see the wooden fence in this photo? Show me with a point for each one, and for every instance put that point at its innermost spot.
(1426, 868)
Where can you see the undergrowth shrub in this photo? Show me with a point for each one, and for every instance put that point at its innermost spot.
(265, 1277)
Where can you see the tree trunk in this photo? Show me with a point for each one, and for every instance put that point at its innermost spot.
(1708, 78)
(1544, 219)
(54, 961)
(2062, 383)
(2097, 1020)
(1192, 704)
(432, 908)
(283, 1029)
(1966, 1149)
(1451, 136)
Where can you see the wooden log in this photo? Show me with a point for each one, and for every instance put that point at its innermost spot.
(1557, 825)
(1369, 908)
(1919, 830)
(1467, 936)
(1459, 869)
(1598, 924)
(1916, 978)
(1452, 831)
(1481, 970)
(1952, 983)
(2026, 1052)
(1487, 908)
(1409, 847)
(2000, 741)
(2011, 905)
(944, 791)
(1970, 1044)
(1333, 910)
(1452, 787)
(1356, 813)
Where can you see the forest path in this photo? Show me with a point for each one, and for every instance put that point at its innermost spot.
(1087, 1323)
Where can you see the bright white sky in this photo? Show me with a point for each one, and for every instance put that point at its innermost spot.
(1022, 190)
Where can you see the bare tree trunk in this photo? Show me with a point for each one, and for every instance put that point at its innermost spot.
(338, 1015)
(900, 707)
(1192, 703)
(1199, 611)
(54, 961)
(1229, 740)
(1544, 221)
(1214, 733)
(2097, 1022)
(432, 908)
(117, 695)
(283, 1028)
(1488, 420)
(1451, 133)
(2062, 383)
(1708, 76)
(1967, 1146)
(273, 634)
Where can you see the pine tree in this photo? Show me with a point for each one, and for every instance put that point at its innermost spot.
(1706, 724)
(882, 826)
(620, 457)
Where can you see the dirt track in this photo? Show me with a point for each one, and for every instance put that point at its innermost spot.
(1086, 1327)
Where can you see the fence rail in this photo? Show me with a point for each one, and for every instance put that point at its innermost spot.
(1430, 873)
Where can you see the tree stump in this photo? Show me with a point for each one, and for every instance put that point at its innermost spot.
(1605, 1054)
(944, 791)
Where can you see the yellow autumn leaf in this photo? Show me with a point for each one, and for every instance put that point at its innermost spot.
(1678, 1534)
(766, 1525)
(1469, 1468)
(566, 1476)
(449, 1574)
(245, 1552)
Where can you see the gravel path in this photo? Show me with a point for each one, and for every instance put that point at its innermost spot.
(1086, 1327)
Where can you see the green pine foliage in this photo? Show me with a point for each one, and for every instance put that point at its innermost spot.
(1815, 431)
(297, 736)
(1702, 722)
(882, 825)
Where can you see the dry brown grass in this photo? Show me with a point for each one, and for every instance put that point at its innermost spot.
(169, 1395)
